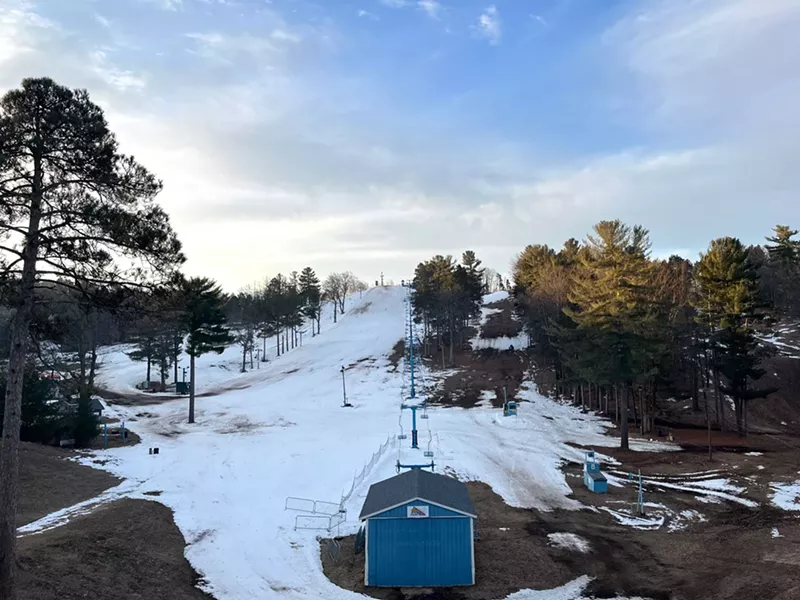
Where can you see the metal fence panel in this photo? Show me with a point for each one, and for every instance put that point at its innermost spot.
(301, 504)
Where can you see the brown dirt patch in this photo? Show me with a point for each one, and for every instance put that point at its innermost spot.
(502, 323)
(49, 481)
(396, 357)
(487, 370)
(127, 549)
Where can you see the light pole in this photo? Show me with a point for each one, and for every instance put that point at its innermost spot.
(184, 373)
(345, 403)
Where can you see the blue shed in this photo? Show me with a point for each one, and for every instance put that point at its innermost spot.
(419, 531)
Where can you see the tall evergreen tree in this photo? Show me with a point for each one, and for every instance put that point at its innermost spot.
(782, 271)
(204, 321)
(72, 204)
(610, 303)
(311, 295)
(728, 304)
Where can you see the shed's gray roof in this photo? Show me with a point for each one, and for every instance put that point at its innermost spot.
(417, 483)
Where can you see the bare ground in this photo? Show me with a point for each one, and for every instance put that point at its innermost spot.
(49, 481)
(127, 549)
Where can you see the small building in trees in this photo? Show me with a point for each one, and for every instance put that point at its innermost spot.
(419, 532)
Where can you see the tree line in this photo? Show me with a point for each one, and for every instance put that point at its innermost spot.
(446, 296)
(614, 327)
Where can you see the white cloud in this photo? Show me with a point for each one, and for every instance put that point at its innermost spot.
(539, 19)
(730, 63)
(395, 3)
(119, 79)
(228, 48)
(366, 14)
(102, 20)
(431, 7)
(490, 25)
(20, 27)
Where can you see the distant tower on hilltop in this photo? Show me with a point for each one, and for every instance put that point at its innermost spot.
(381, 278)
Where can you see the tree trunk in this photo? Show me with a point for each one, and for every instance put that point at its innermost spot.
(744, 415)
(708, 423)
(738, 404)
(623, 442)
(9, 454)
(92, 363)
(175, 357)
(264, 353)
(335, 308)
(148, 369)
(451, 339)
(244, 358)
(694, 382)
(720, 401)
(191, 388)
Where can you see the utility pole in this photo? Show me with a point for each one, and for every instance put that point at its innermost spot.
(381, 278)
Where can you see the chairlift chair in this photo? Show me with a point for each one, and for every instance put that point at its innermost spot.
(429, 453)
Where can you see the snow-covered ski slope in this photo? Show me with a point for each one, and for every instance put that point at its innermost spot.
(216, 372)
(227, 477)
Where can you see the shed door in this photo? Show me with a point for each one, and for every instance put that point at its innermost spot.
(420, 552)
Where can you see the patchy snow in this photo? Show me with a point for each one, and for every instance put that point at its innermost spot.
(569, 541)
(487, 397)
(281, 431)
(786, 495)
(754, 454)
(500, 343)
(626, 518)
(719, 488)
(684, 518)
(495, 297)
(216, 373)
(776, 533)
(571, 591)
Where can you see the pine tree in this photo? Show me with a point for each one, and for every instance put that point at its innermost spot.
(311, 295)
(784, 249)
(728, 303)
(782, 271)
(72, 205)
(40, 419)
(610, 303)
(204, 320)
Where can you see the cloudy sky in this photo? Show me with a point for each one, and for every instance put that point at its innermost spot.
(371, 134)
